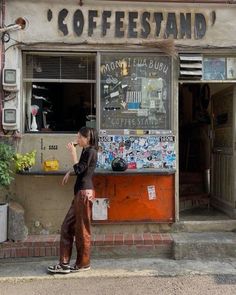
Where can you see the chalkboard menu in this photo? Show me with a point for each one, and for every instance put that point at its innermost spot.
(135, 91)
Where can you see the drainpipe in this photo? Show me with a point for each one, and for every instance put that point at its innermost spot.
(185, 1)
(2, 59)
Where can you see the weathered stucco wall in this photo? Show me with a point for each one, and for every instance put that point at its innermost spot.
(45, 201)
(48, 147)
(220, 21)
(43, 197)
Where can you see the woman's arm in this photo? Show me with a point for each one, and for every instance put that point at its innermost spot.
(85, 161)
(66, 177)
(71, 148)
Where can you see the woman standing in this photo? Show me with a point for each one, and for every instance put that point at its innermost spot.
(77, 221)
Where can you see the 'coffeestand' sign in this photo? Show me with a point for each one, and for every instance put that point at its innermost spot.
(135, 24)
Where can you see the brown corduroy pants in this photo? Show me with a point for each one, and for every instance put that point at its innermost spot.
(77, 224)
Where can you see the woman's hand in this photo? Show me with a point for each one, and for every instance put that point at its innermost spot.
(65, 178)
(71, 148)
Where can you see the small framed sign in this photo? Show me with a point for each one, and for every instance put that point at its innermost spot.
(231, 68)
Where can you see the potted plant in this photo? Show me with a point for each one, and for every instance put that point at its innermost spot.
(6, 177)
(24, 162)
(6, 160)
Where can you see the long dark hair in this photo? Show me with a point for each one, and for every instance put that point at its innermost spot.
(91, 134)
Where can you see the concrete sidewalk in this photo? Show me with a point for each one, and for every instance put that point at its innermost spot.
(15, 270)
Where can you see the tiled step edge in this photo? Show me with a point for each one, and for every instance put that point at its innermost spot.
(103, 245)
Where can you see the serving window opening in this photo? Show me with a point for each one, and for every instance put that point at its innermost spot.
(60, 93)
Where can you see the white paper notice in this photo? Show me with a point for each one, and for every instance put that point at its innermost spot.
(151, 192)
(99, 210)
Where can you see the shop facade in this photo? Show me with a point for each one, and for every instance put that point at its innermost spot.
(112, 66)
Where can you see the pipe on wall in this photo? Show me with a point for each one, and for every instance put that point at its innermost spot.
(2, 58)
(183, 1)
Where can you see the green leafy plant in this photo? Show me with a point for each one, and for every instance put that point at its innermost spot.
(6, 161)
(24, 162)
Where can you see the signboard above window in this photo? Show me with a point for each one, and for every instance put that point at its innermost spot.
(206, 68)
(135, 91)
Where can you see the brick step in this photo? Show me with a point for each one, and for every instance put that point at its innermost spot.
(104, 245)
(183, 245)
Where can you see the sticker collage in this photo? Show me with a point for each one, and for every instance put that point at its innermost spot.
(138, 151)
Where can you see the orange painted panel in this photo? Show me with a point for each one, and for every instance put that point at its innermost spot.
(129, 198)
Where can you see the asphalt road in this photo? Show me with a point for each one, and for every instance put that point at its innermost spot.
(144, 276)
(184, 285)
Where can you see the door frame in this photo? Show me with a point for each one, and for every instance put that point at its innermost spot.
(222, 202)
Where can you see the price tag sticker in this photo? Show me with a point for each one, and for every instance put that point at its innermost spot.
(105, 138)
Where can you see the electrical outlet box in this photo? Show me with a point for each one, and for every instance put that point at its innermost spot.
(10, 79)
(9, 118)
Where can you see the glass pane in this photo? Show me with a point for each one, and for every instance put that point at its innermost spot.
(42, 67)
(135, 91)
(213, 68)
(78, 67)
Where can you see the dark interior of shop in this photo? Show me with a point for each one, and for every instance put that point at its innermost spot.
(63, 107)
(195, 125)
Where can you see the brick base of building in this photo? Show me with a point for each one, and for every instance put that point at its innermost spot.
(103, 246)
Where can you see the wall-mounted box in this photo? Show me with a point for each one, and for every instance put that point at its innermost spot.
(9, 118)
(10, 79)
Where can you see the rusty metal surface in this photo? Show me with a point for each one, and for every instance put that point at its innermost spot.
(129, 199)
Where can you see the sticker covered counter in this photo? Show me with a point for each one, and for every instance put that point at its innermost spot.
(143, 192)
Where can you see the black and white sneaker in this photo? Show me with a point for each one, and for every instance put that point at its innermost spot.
(60, 269)
(79, 269)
